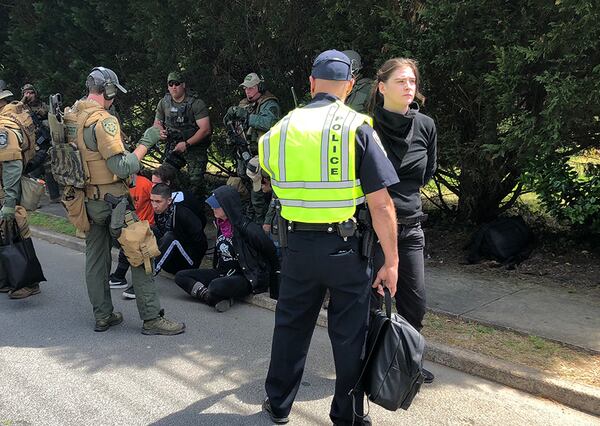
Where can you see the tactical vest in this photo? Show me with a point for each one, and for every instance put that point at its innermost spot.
(254, 108)
(358, 98)
(98, 177)
(16, 119)
(311, 157)
(180, 116)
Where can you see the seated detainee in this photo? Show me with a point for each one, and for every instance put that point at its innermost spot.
(179, 233)
(168, 175)
(244, 262)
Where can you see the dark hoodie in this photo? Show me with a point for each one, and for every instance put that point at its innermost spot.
(255, 250)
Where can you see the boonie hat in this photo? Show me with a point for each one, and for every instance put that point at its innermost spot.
(28, 86)
(251, 80)
(212, 202)
(175, 76)
(332, 65)
(254, 173)
(102, 75)
(5, 94)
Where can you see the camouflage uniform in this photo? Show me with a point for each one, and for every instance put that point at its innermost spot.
(361, 92)
(263, 113)
(182, 117)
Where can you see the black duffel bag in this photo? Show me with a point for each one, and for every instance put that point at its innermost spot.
(18, 258)
(391, 375)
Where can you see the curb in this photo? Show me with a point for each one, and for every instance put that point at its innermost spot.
(580, 397)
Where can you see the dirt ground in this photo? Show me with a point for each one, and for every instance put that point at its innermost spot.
(558, 259)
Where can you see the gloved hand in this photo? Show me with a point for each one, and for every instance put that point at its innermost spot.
(151, 137)
(230, 114)
(241, 114)
(7, 213)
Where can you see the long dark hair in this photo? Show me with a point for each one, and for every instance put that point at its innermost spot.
(383, 75)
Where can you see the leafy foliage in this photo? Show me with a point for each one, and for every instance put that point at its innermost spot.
(514, 87)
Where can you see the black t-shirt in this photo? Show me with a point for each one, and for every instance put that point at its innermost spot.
(373, 168)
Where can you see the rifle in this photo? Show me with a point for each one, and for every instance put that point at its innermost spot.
(55, 119)
(237, 138)
(294, 96)
(175, 159)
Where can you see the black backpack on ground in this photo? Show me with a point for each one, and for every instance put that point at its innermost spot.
(507, 240)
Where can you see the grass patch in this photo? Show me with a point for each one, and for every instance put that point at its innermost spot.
(532, 351)
(51, 222)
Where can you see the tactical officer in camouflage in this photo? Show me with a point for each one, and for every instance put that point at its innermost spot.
(361, 92)
(40, 165)
(109, 165)
(183, 114)
(17, 147)
(259, 111)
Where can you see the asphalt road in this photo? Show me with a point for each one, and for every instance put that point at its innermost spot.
(54, 370)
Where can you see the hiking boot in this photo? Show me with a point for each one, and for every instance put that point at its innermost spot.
(428, 376)
(5, 289)
(224, 305)
(163, 326)
(24, 292)
(105, 323)
(277, 420)
(116, 282)
(129, 293)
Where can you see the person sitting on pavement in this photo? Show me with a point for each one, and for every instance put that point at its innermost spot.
(167, 174)
(164, 174)
(179, 233)
(244, 262)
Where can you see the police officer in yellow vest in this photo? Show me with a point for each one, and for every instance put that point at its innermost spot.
(324, 160)
(109, 165)
(17, 147)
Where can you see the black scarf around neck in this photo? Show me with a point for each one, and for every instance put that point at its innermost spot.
(395, 131)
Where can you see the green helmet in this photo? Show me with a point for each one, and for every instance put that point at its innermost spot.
(28, 86)
(355, 60)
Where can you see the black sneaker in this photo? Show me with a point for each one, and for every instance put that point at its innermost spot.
(277, 420)
(224, 305)
(428, 376)
(116, 282)
(129, 293)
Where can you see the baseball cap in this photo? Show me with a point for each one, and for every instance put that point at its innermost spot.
(251, 80)
(6, 94)
(213, 202)
(175, 76)
(99, 76)
(332, 65)
(254, 173)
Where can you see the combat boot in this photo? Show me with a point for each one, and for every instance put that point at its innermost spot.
(5, 289)
(24, 292)
(105, 323)
(162, 326)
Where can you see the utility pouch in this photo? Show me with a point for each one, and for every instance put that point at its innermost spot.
(347, 228)
(73, 199)
(282, 226)
(139, 244)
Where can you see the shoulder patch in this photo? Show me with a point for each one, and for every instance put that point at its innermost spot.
(110, 125)
(3, 139)
(378, 141)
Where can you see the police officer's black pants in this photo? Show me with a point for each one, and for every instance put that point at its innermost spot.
(312, 263)
(410, 290)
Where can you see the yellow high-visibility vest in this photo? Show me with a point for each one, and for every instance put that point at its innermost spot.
(310, 156)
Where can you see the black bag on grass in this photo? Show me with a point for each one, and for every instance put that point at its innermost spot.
(391, 375)
(18, 258)
(507, 240)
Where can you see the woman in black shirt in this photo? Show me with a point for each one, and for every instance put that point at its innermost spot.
(410, 140)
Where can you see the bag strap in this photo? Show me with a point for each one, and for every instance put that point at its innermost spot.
(387, 297)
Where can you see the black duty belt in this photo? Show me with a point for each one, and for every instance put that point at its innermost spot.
(330, 228)
(411, 220)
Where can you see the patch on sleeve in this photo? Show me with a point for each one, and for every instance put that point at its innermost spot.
(378, 141)
(3, 139)
(110, 126)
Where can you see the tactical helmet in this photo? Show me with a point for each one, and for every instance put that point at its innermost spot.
(355, 60)
(106, 80)
(28, 86)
